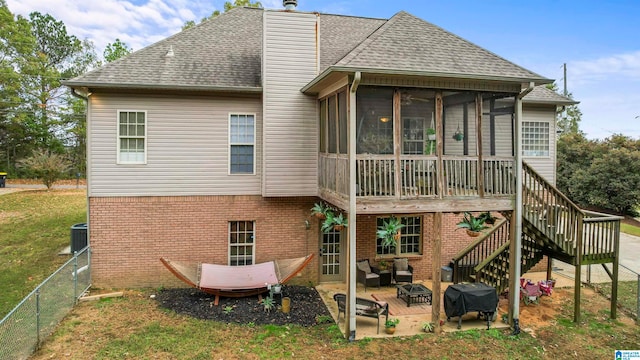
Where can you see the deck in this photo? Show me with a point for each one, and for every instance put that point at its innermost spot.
(404, 182)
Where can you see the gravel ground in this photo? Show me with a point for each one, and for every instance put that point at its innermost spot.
(307, 308)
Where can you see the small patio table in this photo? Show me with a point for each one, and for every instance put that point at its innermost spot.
(413, 294)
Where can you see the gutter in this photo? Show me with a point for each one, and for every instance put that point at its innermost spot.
(96, 85)
(344, 69)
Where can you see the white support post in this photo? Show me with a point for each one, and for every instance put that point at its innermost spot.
(351, 252)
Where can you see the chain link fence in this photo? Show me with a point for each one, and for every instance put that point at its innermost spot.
(597, 278)
(36, 316)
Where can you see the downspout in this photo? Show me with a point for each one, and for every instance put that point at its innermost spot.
(351, 253)
(517, 213)
(84, 95)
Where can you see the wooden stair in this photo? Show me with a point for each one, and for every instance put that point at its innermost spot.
(552, 225)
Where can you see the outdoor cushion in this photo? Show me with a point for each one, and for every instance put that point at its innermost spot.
(372, 275)
(364, 266)
(401, 264)
(403, 273)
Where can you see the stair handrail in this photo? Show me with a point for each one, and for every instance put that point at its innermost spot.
(551, 211)
(556, 192)
(460, 275)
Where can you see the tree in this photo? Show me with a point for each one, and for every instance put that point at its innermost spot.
(568, 120)
(15, 39)
(574, 152)
(612, 181)
(605, 173)
(228, 5)
(116, 50)
(36, 112)
(46, 166)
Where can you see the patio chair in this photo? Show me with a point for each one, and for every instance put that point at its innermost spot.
(366, 274)
(364, 307)
(546, 287)
(402, 271)
(530, 293)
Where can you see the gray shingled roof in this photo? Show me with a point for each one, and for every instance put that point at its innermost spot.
(542, 95)
(410, 44)
(225, 53)
(341, 34)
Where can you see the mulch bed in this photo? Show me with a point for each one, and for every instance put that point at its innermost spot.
(307, 308)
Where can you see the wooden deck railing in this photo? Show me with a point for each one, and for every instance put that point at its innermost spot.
(596, 235)
(465, 261)
(416, 176)
(601, 235)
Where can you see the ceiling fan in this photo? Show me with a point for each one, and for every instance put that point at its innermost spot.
(408, 99)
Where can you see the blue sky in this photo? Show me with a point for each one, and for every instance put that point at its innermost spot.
(599, 41)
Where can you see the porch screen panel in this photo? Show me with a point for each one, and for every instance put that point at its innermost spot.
(374, 115)
(332, 119)
(323, 125)
(342, 123)
(460, 123)
(418, 122)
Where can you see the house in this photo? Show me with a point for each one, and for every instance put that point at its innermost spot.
(213, 145)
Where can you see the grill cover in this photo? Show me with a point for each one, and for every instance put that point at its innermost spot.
(460, 299)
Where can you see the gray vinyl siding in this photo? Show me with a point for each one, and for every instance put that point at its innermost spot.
(544, 165)
(290, 61)
(187, 146)
(453, 120)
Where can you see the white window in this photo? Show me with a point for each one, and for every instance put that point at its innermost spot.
(132, 137)
(241, 243)
(410, 242)
(242, 135)
(535, 138)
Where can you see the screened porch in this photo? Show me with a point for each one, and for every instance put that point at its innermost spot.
(419, 144)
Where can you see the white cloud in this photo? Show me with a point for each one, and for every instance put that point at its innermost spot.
(625, 65)
(136, 22)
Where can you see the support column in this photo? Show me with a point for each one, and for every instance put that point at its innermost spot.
(480, 168)
(439, 144)
(350, 313)
(435, 260)
(577, 292)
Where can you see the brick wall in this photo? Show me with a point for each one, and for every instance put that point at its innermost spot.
(452, 242)
(129, 234)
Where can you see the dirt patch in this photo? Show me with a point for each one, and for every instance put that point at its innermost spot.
(306, 307)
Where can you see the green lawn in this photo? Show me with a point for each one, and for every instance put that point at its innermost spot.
(630, 229)
(34, 227)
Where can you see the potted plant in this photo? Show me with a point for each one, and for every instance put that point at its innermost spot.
(383, 265)
(320, 210)
(389, 231)
(333, 222)
(277, 288)
(431, 134)
(390, 325)
(340, 222)
(472, 224)
(428, 327)
(488, 218)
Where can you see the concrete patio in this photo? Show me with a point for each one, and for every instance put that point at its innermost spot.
(412, 318)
